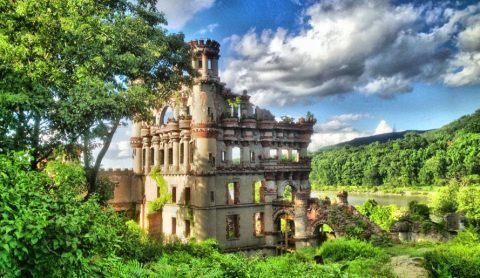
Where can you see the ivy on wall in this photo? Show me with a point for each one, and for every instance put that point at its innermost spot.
(163, 194)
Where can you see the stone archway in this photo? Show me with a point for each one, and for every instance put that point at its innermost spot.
(166, 112)
(295, 187)
(284, 227)
(321, 232)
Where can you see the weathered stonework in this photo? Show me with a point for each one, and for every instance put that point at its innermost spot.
(228, 165)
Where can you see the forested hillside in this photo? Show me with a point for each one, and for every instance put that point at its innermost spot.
(431, 158)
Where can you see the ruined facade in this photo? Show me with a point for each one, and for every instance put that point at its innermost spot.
(233, 172)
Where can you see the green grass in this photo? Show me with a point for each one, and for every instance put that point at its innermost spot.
(417, 249)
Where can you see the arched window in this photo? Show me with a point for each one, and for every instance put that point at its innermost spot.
(167, 113)
(287, 193)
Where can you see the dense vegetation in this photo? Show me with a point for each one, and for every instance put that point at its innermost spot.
(432, 158)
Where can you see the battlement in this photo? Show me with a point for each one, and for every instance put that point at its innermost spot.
(116, 170)
(209, 44)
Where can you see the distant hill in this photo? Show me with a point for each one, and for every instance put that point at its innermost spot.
(407, 158)
(381, 138)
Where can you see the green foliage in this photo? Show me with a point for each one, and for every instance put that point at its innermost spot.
(383, 216)
(105, 189)
(109, 60)
(163, 195)
(454, 260)
(432, 158)
(257, 193)
(359, 257)
(234, 103)
(347, 250)
(459, 257)
(47, 228)
(287, 193)
(287, 119)
(418, 211)
(445, 199)
(469, 203)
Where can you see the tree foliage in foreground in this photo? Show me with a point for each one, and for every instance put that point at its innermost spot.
(46, 226)
(452, 152)
(70, 71)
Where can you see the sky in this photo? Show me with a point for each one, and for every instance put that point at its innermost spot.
(362, 67)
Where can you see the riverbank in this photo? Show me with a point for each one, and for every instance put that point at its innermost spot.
(403, 190)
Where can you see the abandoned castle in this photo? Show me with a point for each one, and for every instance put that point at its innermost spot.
(232, 172)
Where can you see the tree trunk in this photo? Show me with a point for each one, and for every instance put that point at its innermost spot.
(92, 179)
(36, 141)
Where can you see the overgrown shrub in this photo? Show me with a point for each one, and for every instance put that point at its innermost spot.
(418, 211)
(445, 200)
(47, 227)
(348, 249)
(454, 260)
(383, 216)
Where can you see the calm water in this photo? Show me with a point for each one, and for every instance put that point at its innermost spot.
(358, 198)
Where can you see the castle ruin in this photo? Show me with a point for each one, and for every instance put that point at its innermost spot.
(233, 172)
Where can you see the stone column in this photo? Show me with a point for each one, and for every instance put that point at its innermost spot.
(195, 63)
(165, 156)
(271, 236)
(176, 154)
(146, 148)
(215, 66)
(303, 150)
(204, 66)
(289, 154)
(186, 153)
(136, 144)
(301, 222)
(156, 150)
(245, 154)
(228, 153)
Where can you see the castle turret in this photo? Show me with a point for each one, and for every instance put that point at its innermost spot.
(205, 58)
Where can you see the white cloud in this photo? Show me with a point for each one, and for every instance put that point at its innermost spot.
(383, 127)
(386, 86)
(320, 140)
(179, 12)
(338, 129)
(335, 130)
(344, 46)
(209, 29)
(465, 67)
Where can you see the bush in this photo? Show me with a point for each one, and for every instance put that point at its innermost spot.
(469, 203)
(445, 201)
(418, 211)
(383, 216)
(47, 227)
(455, 260)
(347, 250)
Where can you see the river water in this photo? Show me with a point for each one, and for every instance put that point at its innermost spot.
(358, 198)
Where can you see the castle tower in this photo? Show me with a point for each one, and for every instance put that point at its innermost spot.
(205, 114)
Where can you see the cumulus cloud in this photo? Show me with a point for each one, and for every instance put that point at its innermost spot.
(465, 67)
(338, 129)
(383, 127)
(369, 46)
(208, 29)
(335, 130)
(179, 12)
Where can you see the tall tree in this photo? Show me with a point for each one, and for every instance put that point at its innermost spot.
(71, 71)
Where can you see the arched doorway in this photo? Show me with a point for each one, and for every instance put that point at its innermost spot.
(284, 227)
(322, 232)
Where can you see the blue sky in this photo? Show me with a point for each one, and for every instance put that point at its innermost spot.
(362, 67)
